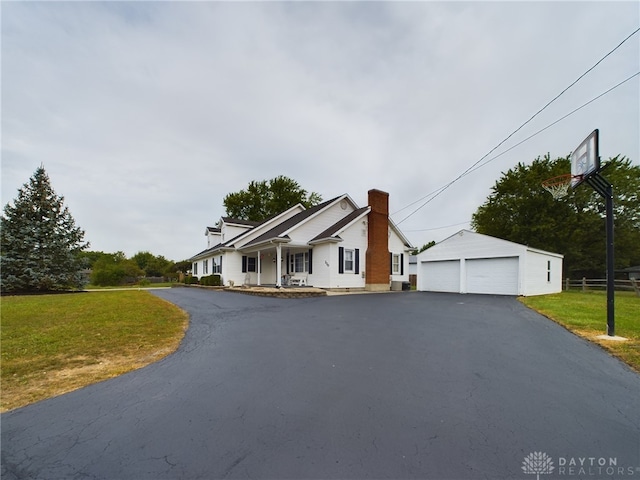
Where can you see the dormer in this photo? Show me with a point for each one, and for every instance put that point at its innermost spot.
(214, 236)
(232, 227)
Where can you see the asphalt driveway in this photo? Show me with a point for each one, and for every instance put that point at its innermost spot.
(401, 385)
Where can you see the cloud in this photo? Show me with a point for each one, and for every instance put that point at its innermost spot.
(147, 114)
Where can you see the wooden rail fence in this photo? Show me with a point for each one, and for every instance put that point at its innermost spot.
(586, 284)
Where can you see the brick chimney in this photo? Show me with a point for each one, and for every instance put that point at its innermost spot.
(378, 266)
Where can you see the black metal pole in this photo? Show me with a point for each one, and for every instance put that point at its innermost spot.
(611, 326)
(604, 188)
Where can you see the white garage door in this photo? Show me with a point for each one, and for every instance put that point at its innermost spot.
(441, 276)
(498, 276)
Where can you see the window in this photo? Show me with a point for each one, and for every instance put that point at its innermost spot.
(205, 266)
(195, 268)
(299, 262)
(549, 271)
(348, 260)
(217, 267)
(396, 264)
(248, 264)
(251, 264)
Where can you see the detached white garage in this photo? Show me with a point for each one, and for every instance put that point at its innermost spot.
(470, 262)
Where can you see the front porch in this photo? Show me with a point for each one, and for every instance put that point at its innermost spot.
(277, 266)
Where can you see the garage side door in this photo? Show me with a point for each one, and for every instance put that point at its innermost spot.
(497, 276)
(441, 276)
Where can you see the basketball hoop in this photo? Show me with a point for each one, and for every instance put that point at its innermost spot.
(558, 186)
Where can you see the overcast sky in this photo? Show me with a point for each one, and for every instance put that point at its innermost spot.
(145, 115)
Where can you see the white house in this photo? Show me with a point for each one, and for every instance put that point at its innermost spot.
(333, 245)
(470, 262)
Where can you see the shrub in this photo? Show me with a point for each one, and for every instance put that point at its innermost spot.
(211, 281)
(190, 280)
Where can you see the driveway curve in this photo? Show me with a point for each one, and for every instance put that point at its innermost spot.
(400, 385)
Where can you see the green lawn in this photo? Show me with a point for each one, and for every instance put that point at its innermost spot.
(52, 344)
(585, 313)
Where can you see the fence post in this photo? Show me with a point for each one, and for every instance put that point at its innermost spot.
(566, 284)
(636, 287)
(584, 284)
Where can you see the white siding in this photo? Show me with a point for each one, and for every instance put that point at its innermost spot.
(352, 238)
(231, 231)
(397, 246)
(466, 244)
(232, 268)
(439, 276)
(322, 264)
(489, 265)
(213, 239)
(319, 223)
(539, 279)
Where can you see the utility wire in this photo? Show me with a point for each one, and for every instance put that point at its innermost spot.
(439, 228)
(555, 122)
(479, 165)
(472, 167)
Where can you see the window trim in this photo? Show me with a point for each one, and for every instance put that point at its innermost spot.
(252, 264)
(396, 267)
(305, 262)
(352, 253)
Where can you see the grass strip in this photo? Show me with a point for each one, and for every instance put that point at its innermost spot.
(585, 314)
(52, 344)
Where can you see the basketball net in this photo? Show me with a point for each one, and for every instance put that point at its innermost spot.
(558, 186)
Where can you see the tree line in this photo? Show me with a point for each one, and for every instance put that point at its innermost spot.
(520, 210)
(42, 249)
(108, 269)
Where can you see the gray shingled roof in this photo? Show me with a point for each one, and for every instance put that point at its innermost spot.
(240, 221)
(279, 229)
(335, 228)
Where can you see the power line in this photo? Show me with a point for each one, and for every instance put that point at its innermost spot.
(436, 193)
(439, 228)
(556, 121)
(479, 165)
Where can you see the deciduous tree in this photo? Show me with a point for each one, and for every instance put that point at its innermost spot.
(520, 210)
(115, 269)
(266, 198)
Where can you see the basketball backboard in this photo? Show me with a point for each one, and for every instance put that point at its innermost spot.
(585, 159)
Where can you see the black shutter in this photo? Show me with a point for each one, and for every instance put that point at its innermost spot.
(357, 254)
(390, 263)
(310, 261)
(402, 264)
(340, 259)
(287, 267)
(244, 264)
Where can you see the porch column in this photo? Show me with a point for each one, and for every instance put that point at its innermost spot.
(278, 265)
(259, 268)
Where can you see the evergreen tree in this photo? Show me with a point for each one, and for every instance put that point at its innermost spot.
(40, 242)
